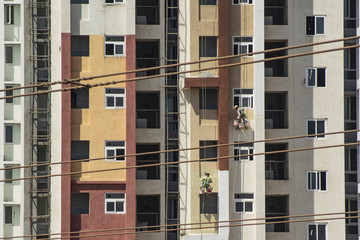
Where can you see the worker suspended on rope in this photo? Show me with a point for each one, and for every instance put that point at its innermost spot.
(205, 184)
(242, 120)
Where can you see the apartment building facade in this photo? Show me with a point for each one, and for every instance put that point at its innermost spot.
(47, 41)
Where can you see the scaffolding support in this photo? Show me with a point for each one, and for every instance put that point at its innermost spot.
(172, 118)
(39, 113)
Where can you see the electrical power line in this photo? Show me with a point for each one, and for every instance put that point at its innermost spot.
(181, 72)
(186, 224)
(180, 150)
(74, 80)
(180, 162)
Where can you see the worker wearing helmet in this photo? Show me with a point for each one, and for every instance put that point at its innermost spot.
(240, 113)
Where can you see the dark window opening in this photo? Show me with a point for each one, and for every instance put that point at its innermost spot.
(277, 207)
(147, 110)
(208, 99)
(276, 12)
(80, 150)
(8, 215)
(80, 46)
(147, 172)
(147, 12)
(208, 46)
(276, 164)
(80, 203)
(80, 98)
(209, 152)
(208, 2)
(209, 203)
(147, 212)
(276, 68)
(276, 112)
(147, 56)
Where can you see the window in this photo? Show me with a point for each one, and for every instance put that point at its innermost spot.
(209, 152)
(350, 108)
(316, 181)
(79, 1)
(80, 150)
(114, 46)
(277, 206)
(238, 2)
(208, 47)
(8, 174)
(80, 46)
(317, 231)
(147, 212)
(243, 97)
(315, 25)
(208, 203)
(114, 202)
(147, 56)
(9, 14)
(9, 54)
(351, 223)
(80, 98)
(147, 12)
(148, 172)
(9, 134)
(114, 1)
(276, 110)
(276, 12)
(208, 2)
(147, 110)
(243, 149)
(244, 202)
(80, 203)
(242, 45)
(276, 68)
(350, 13)
(114, 148)
(9, 93)
(208, 99)
(351, 165)
(8, 215)
(315, 77)
(114, 98)
(316, 127)
(276, 164)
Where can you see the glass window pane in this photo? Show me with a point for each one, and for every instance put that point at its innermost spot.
(109, 49)
(119, 49)
(9, 134)
(236, 49)
(321, 128)
(110, 206)
(322, 232)
(119, 207)
(321, 77)
(312, 232)
(119, 102)
(9, 58)
(239, 206)
(313, 181)
(323, 181)
(110, 153)
(120, 152)
(248, 206)
(110, 101)
(311, 77)
(245, 102)
(8, 215)
(320, 27)
(311, 127)
(310, 25)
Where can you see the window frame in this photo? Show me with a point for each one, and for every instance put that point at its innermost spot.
(316, 77)
(239, 148)
(244, 95)
(114, 2)
(315, 28)
(317, 181)
(317, 230)
(202, 48)
(115, 95)
(316, 132)
(244, 200)
(249, 2)
(241, 43)
(114, 200)
(114, 148)
(13, 134)
(9, 18)
(9, 93)
(115, 43)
